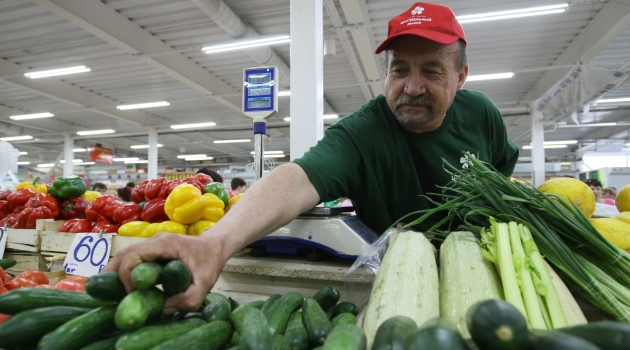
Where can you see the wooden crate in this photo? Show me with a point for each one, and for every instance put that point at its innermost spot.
(55, 243)
(29, 240)
(33, 261)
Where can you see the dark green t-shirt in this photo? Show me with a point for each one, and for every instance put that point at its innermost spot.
(366, 157)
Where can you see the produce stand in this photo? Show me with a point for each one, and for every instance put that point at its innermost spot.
(23, 246)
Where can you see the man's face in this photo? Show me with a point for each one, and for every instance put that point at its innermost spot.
(421, 81)
(101, 190)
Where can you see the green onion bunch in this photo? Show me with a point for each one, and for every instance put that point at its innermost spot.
(587, 262)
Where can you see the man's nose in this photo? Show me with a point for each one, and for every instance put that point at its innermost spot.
(415, 85)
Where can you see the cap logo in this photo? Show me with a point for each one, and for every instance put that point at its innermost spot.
(417, 11)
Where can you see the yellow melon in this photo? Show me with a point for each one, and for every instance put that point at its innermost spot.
(623, 216)
(616, 231)
(574, 189)
(622, 200)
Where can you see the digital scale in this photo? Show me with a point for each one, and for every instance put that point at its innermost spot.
(321, 229)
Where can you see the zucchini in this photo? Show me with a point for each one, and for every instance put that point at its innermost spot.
(80, 331)
(344, 306)
(327, 297)
(296, 332)
(150, 336)
(253, 329)
(317, 324)
(7, 263)
(27, 327)
(23, 299)
(572, 310)
(146, 275)
(217, 311)
(105, 344)
(213, 335)
(607, 335)
(282, 310)
(138, 307)
(279, 342)
(497, 324)
(346, 336)
(345, 317)
(106, 286)
(176, 277)
(393, 333)
(546, 340)
(406, 283)
(437, 334)
(466, 277)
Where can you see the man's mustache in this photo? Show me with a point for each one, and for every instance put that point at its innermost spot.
(421, 100)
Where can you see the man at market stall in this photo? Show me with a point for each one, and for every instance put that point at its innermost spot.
(384, 157)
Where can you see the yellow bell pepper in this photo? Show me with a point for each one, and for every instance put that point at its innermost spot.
(37, 187)
(185, 204)
(166, 226)
(199, 227)
(233, 201)
(214, 208)
(90, 195)
(132, 228)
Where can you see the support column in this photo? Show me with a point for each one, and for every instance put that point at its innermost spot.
(307, 75)
(68, 155)
(538, 150)
(152, 172)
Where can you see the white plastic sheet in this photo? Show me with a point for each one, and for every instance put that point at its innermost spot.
(8, 159)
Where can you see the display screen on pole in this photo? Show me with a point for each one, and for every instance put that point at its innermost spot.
(259, 91)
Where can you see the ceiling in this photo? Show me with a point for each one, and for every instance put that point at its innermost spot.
(150, 50)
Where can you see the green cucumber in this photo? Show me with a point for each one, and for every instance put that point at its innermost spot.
(267, 307)
(257, 304)
(346, 336)
(79, 331)
(214, 297)
(327, 297)
(233, 304)
(547, 340)
(105, 344)
(217, 311)
(106, 286)
(138, 307)
(437, 334)
(317, 324)
(146, 275)
(344, 306)
(7, 263)
(23, 299)
(150, 336)
(27, 327)
(282, 310)
(213, 335)
(607, 335)
(296, 332)
(393, 333)
(176, 277)
(344, 318)
(236, 339)
(253, 329)
(497, 324)
(279, 342)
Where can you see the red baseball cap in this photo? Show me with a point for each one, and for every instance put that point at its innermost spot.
(430, 21)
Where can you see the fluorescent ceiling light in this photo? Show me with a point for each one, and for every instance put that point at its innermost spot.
(607, 100)
(526, 12)
(197, 158)
(490, 76)
(245, 44)
(274, 155)
(45, 165)
(16, 138)
(85, 163)
(547, 146)
(184, 156)
(63, 161)
(325, 116)
(143, 105)
(125, 159)
(96, 132)
(270, 152)
(23, 153)
(23, 163)
(231, 141)
(79, 150)
(136, 161)
(585, 125)
(31, 116)
(567, 142)
(284, 93)
(56, 72)
(144, 146)
(196, 125)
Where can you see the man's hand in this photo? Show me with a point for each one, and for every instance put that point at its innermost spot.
(202, 256)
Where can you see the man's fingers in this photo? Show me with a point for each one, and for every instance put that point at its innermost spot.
(186, 301)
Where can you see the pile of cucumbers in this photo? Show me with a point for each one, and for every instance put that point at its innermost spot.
(107, 317)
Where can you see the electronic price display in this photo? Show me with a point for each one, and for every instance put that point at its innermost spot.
(260, 92)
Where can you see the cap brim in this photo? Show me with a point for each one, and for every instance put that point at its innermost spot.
(438, 37)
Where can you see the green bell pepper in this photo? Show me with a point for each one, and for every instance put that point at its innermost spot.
(219, 190)
(67, 186)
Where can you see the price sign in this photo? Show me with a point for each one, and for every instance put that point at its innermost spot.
(4, 235)
(88, 254)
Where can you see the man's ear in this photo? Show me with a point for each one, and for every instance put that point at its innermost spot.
(461, 78)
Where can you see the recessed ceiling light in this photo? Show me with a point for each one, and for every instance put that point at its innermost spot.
(195, 125)
(32, 116)
(56, 72)
(143, 105)
(232, 141)
(144, 146)
(16, 138)
(96, 132)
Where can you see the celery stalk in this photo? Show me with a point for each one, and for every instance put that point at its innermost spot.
(556, 313)
(530, 299)
(511, 289)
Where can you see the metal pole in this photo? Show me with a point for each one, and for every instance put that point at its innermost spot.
(260, 129)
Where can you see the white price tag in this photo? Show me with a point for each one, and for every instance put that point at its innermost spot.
(88, 254)
(4, 235)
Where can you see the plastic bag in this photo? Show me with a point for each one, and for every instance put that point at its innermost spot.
(8, 159)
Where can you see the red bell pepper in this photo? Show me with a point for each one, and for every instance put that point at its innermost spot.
(44, 200)
(137, 194)
(153, 211)
(18, 199)
(102, 208)
(195, 182)
(105, 226)
(74, 208)
(171, 185)
(29, 216)
(4, 195)
(204, 179)
(155, 188)
(76, 226)
(126, 213)
(5, 209)
(11, 220)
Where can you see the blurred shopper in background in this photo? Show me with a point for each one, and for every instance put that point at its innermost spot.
(238, 186)
(596, 187)
(610, 193)
(125, 193)
(99, 187)
(213, 174)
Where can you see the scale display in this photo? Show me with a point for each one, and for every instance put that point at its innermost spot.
(260, 95)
